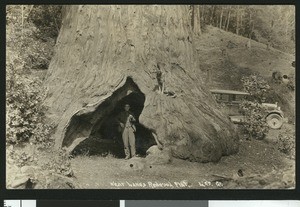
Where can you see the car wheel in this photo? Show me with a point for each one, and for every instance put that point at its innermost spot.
(274, 121)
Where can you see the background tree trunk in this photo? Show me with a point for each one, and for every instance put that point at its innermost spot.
(197, 22)
(203, 19)
(241, 25)
(228, 18)
(221, 18)
(22, 24)
(100, 47)
(212, 21)
(237, 21)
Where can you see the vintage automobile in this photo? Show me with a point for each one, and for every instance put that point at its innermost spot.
(232, 99)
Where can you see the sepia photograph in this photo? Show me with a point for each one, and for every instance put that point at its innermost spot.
(150, 96)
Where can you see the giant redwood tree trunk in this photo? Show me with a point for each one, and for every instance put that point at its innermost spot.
(107, 53)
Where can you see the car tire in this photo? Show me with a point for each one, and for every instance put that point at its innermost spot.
(274, 121)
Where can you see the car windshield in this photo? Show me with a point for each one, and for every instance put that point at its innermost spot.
(229, 97)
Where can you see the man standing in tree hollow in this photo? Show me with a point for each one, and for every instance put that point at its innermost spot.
(126, 121)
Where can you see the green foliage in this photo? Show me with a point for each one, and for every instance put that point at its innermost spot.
(60, 163)
(255, 119)
(41, 135)
(47, 18)
(38, 53)
(291, 84)
(256, 86)
(25, 118)
(20, 158)
(31, 41)
(25, 114)
(273, 25)
(22, 111)
(255, 114)
(286, 142)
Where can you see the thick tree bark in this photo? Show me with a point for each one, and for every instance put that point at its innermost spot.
(106, 52)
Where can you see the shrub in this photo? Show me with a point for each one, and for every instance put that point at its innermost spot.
(24, 94)
(20, 158)
(60, 163)
(255, 122)
(256, 86)
(47, 18)
(23, 112)
(30, 46)
(255, 114)
(291, 84)
(25, 118)
(286, 143)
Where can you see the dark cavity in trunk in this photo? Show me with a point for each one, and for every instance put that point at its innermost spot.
(100, 129)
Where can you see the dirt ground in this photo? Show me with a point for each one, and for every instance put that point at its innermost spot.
(258, 164)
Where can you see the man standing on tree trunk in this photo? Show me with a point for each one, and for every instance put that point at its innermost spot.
(126, 121)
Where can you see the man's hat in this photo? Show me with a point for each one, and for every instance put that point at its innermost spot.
(127, 105)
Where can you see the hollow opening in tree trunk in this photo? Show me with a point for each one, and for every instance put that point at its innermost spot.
(104, 135)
